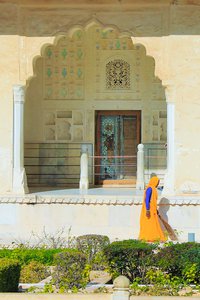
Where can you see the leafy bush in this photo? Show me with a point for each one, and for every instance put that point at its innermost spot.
(9, 275)
(33, 272)
(174, 258)
(69, 270)
(190, 265)
(129, 258)
(92, 246)
(25, 255)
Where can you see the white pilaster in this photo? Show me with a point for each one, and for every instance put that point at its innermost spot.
(169, 188)
(140, 168)
(19, 174)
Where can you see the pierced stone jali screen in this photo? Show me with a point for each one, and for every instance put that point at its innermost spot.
(64, 68)
(118, 74)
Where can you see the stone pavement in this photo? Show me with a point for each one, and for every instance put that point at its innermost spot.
(24, 296)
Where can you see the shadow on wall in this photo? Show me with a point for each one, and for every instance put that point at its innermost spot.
(162, 213)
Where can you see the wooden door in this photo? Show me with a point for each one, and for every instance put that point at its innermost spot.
(117, 137)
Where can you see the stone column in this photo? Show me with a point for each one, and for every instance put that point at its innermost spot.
(140, 168)
(121, 288)
(19, 175)
(170, 175)
(84, 181)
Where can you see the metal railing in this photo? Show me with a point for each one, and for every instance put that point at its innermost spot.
(129, 169)
(116, 167)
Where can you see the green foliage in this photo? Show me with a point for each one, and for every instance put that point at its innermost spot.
(156, 276)
(160, 284)
(153, 290)
(48, 288)
(25, 255)
(190, 273)
(177, 259)
(92, 246)
(33, 272)
(9, 275)
(70, 270)
(129, 258)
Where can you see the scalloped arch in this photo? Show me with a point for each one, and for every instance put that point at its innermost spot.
(69, 32)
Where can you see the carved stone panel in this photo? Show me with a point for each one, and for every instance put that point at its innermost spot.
(64, 68)
(64, 126)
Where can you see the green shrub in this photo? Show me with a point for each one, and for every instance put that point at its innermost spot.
(129, 258)
(190, 265)
(174, 258)
(69, 270)
(25, 255)
(9, 275)
(92, 246)
(33, 272)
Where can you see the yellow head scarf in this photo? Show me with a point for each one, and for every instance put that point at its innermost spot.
(153, 182)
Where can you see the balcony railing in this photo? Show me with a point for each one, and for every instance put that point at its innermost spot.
(134, 170)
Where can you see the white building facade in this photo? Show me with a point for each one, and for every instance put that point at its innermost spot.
(98, 79)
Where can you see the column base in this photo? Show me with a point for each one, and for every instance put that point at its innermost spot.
(83, 184)
(20, 182)
(140, 185)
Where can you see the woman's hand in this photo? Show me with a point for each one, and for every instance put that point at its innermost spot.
(148, 214)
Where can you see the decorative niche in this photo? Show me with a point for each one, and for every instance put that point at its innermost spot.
(63, 126)
(159, 126)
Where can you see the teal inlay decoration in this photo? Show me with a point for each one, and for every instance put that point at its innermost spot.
(64, 53)
(118, 44)
(64, 72)
(79, 73)
(124, 46)
(104, 34)
(79, 34)
(49, 52)
(79, 53)
(63, 92)
(49, 72)
(79, 92)
(49, 92)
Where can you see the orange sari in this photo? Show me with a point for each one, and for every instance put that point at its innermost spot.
(150, 229)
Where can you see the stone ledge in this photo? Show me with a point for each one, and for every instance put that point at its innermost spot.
(93, 199)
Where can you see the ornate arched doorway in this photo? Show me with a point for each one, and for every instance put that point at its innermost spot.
(84, 73)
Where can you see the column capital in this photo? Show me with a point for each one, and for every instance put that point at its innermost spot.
(170, 91)
(18, 92)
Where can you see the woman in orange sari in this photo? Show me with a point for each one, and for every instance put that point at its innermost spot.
(150, 229)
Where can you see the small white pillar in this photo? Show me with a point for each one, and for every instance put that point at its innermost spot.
(84, 181)
(19, 174)
(140, 168)
(121, 288)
